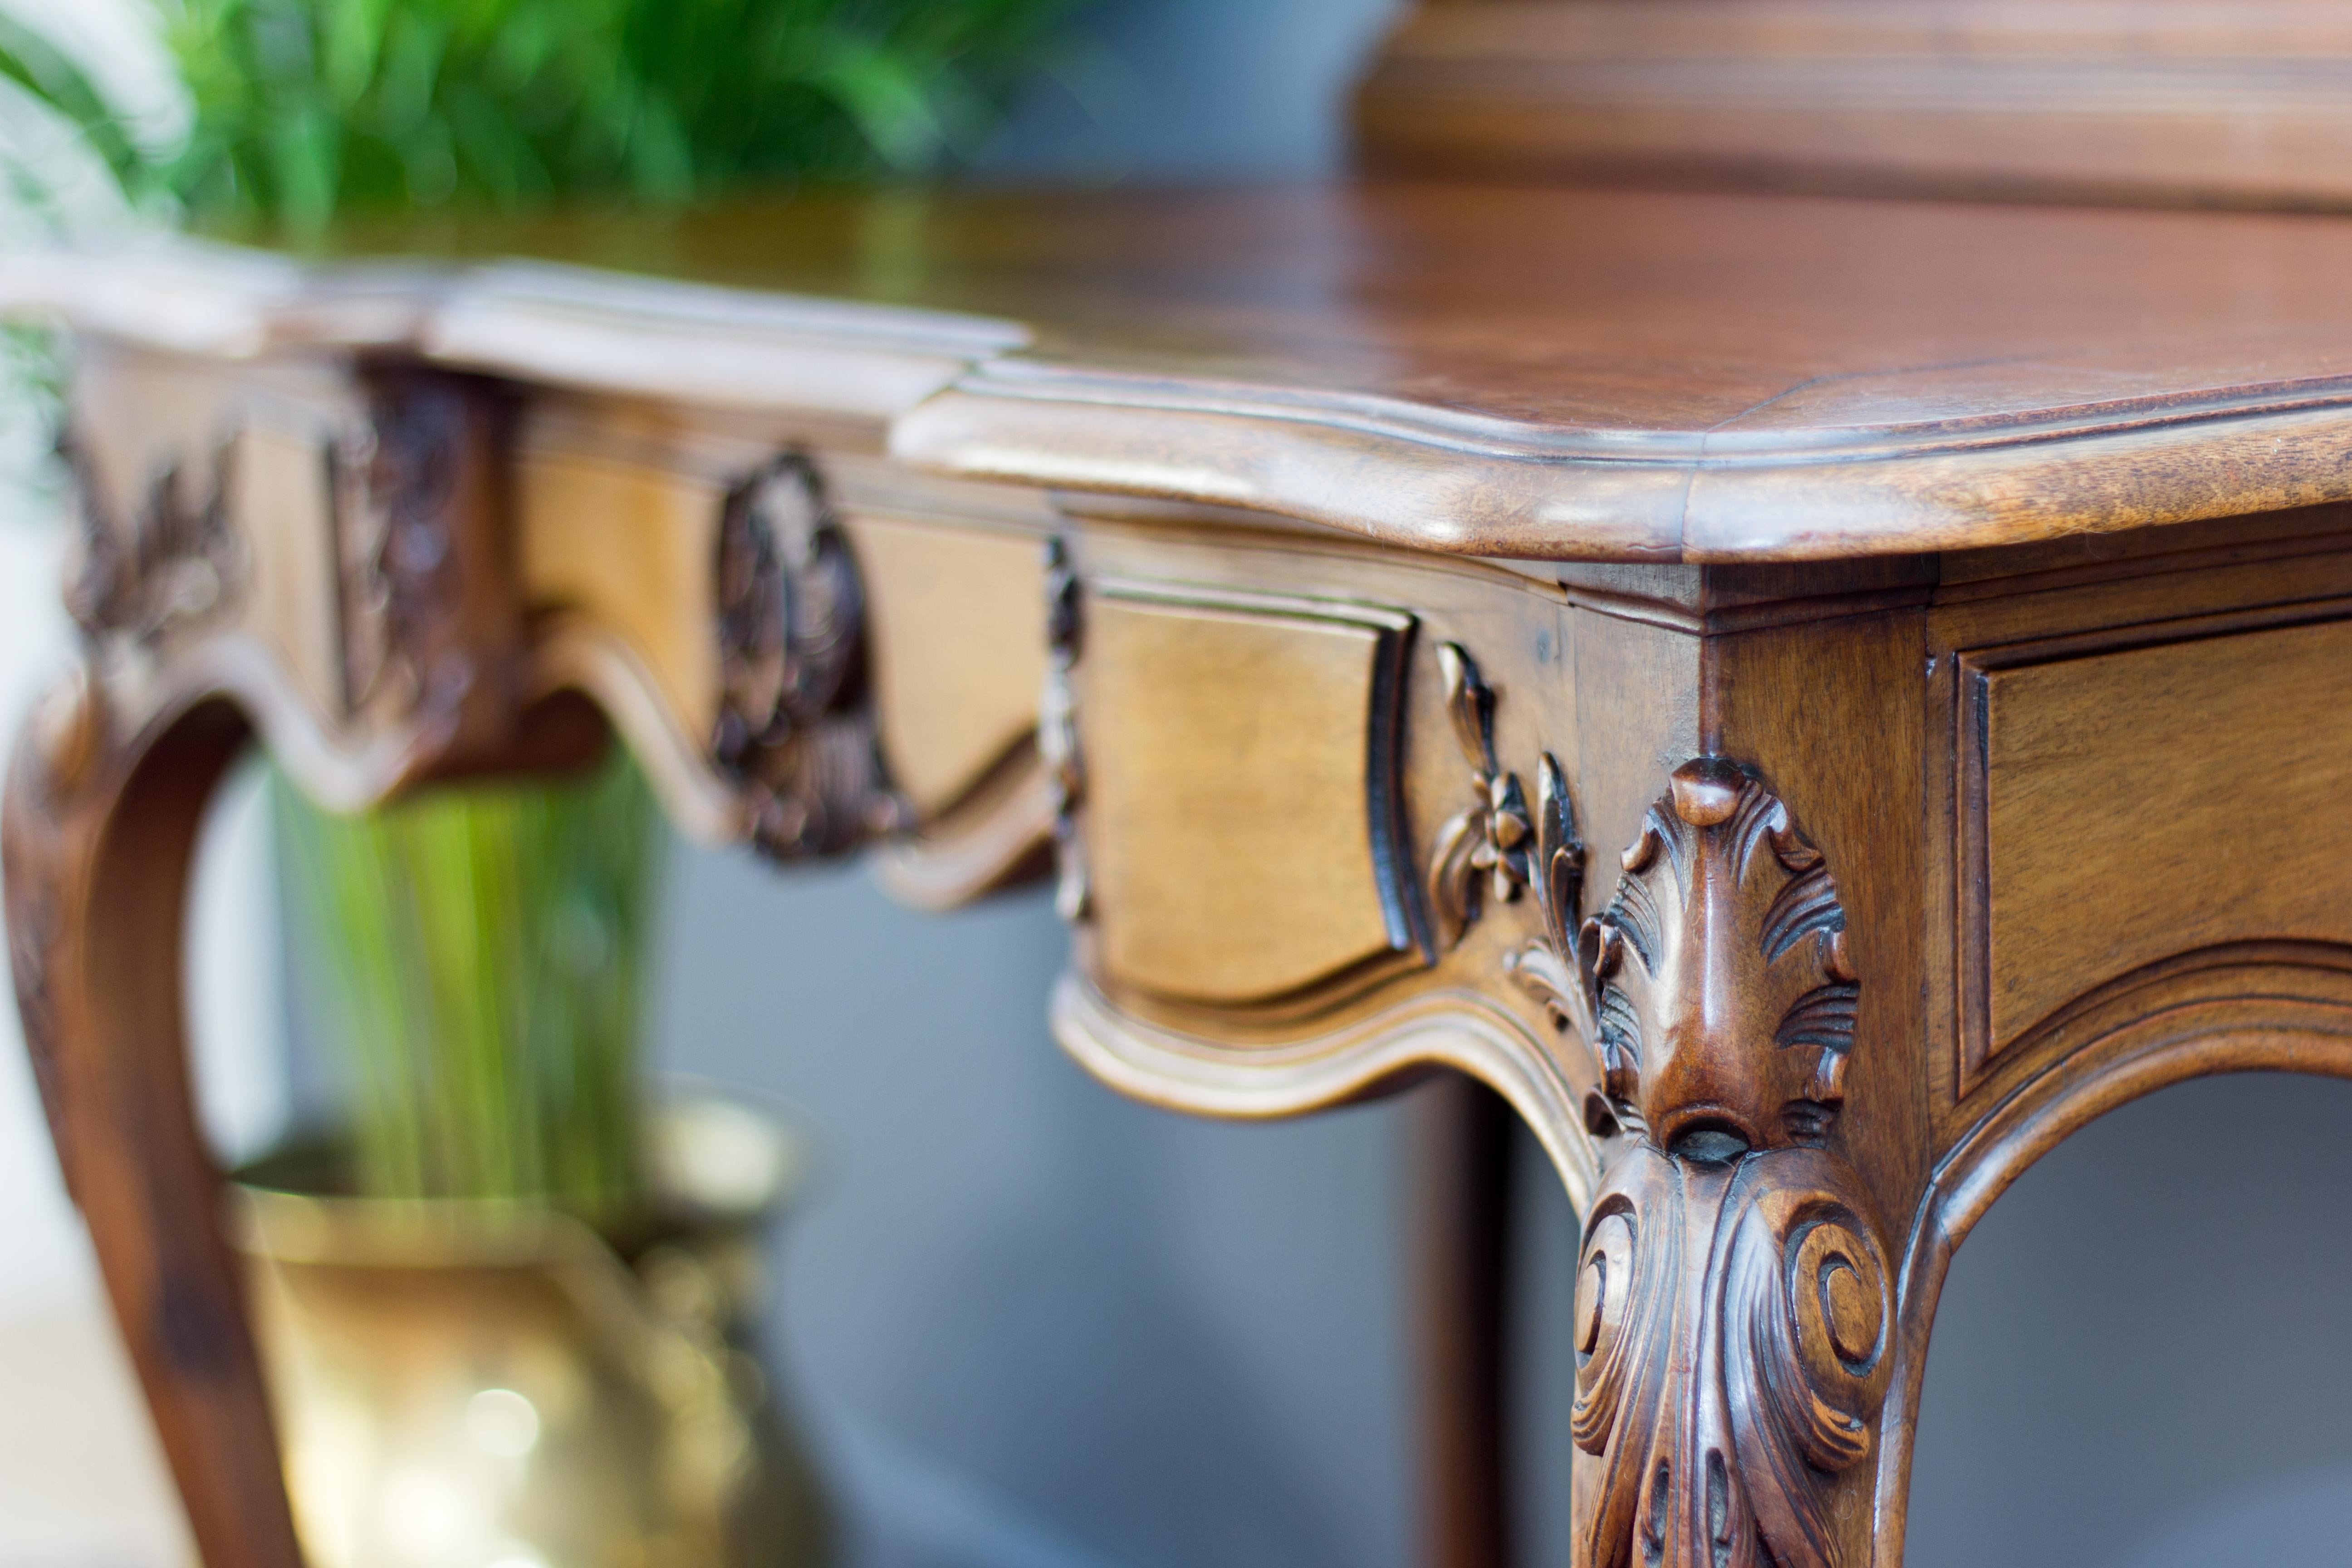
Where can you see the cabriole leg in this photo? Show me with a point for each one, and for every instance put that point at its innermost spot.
(1735, 1309)
(1462, 1217)
(95, 840)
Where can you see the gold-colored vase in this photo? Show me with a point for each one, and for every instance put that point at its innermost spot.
(492, 1386)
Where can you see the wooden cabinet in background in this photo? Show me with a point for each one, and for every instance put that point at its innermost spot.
(2183, 102)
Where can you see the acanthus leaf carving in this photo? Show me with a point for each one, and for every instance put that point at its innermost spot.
(795, 728)
(1548, 969)
(1724, 1000)
(1496, 848)
(1734, 1299)
(175, 563)
(395, 479)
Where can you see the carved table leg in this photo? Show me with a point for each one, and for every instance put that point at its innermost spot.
(94, 839)
(389, 491)
(1733, 1298)
(1462, 1214)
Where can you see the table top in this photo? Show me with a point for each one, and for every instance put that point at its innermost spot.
(1514, 370)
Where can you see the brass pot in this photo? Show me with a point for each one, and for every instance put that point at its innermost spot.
(464, 1384)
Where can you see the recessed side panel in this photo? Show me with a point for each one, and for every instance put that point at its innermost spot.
(629, 545)
(958, 640)
(1206, 720)
(2134, 805)
(285, 507)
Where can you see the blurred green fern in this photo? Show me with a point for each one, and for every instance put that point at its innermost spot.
(480, 953)
(306, 109)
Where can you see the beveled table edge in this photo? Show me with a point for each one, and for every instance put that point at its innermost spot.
(971, 396)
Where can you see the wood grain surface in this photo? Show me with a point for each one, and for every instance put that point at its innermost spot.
(1700, 867)
(1199, 716)
(1494, 370)
(958, 649)
(2145, 803)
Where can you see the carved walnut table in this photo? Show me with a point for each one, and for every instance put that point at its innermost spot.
(1812, 701)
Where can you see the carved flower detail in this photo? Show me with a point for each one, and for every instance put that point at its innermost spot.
(1494, 841)
(795, 729)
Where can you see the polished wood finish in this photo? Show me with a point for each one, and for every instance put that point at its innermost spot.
(960, 650)
(629, 549)
(2165, 727)
(96, 839)
(1491, 371)
(1200, 713)
(193, 631)
(1462, 1205)
(1807, 701)
(2167, 101)
(1734, 1296)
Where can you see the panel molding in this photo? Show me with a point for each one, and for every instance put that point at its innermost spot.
(1160, 792)
(1994, 1040)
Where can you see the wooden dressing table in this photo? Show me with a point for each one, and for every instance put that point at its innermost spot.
(1811, 700)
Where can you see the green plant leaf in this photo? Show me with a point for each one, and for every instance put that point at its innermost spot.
(52, 78)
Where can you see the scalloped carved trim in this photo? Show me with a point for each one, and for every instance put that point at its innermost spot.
(418, 660)
(2240, 1006)
(1454, 1028)
(575, 653)
(987, 845)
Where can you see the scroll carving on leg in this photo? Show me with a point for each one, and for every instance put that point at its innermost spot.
(1734, 1299)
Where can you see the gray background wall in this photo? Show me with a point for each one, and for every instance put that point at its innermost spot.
(1037, 1324)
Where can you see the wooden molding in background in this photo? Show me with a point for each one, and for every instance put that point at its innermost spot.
(2171, 101)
